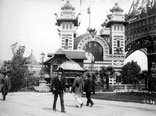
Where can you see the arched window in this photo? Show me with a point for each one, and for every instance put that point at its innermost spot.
(70, 25)
(118, 27)
(66, 25)
(114, 27)
(66, 44)
(97, 51)
(121, 27)
(63, 26)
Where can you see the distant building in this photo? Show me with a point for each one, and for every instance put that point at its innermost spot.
(33, 66)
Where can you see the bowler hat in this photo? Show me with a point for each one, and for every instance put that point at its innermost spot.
(59, 69)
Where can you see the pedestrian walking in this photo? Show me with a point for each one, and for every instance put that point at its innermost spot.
(88, 86)
(58, 88)
(77, 89)
(6, 84)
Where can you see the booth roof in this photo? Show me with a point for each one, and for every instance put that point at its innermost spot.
(71, 65)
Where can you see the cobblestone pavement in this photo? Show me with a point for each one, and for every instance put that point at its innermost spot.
(40, 104)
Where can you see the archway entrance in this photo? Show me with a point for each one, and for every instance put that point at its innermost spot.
(140, 57)
(140, 33)
(96, 49)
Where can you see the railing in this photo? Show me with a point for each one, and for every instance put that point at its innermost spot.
(128, 87)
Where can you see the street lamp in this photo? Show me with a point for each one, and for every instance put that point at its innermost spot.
(42, 56)
(42, 72)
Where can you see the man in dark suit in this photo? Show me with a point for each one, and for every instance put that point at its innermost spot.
(88, 88)
(58, 88)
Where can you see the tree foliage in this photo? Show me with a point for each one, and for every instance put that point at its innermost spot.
(105, 73)
(19, 71)
(144, 76)
(130, 72)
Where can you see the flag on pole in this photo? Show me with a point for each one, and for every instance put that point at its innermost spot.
(89, 10)
(144, 6)
(13, 46)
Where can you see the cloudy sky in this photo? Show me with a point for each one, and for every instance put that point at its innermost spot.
(32, 23)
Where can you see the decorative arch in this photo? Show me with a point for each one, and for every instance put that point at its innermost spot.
(97, 39)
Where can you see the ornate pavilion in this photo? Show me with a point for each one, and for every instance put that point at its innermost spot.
(90, 50)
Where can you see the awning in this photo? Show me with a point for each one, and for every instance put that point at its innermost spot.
(71, 66)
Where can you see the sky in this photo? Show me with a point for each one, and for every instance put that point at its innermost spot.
(32, 23)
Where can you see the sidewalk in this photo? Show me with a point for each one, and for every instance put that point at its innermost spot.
(40, 104)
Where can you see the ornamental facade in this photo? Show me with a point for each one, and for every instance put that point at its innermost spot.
(105, 49)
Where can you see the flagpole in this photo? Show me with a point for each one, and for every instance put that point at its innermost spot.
(13, 47)
(89, 12)
(89, 19)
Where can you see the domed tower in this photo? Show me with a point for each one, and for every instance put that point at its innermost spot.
(67, 23)
(116, 24)
(32, 61)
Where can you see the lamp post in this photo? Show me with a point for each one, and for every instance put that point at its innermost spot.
(42, 56)
(42, 82)
(42, 72)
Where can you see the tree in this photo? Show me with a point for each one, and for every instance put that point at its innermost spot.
(106, 73)
(144, 75)
(130, 72)
(19, 70)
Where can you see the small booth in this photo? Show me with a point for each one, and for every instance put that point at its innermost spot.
(70, 68)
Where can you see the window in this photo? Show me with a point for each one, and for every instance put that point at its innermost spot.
(66, 44)
(118, 43)
(118, 27)
(70, 25)
(54, 68)
(66, 25)
(89, 44)
(95, 44)
(115, 27)
(63, 26)
(121, 27)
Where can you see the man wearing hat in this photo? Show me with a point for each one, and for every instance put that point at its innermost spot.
(58, 88)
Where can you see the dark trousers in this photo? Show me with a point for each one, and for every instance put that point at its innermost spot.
(60, 93)
(88, 96)
(4, 91)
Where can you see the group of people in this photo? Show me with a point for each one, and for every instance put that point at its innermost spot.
(79, 85)
(59, 88)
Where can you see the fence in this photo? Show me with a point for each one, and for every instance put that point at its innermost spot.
(128, 87)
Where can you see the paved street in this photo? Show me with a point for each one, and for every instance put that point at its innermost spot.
(40, 104)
